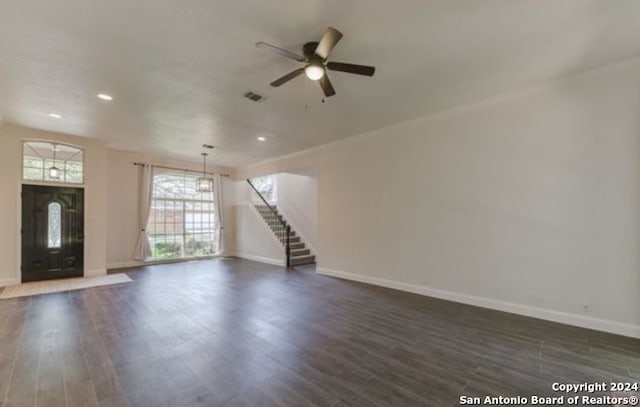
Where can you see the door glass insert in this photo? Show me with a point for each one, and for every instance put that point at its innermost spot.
(54, 219)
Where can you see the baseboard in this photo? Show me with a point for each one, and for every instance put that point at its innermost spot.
(124, 265)
(260, 259)
(96, 272)
(598, 324)
(9, 281)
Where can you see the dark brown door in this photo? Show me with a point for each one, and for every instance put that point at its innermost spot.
(52, 232)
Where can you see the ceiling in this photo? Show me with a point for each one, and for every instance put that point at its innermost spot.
(178, 70)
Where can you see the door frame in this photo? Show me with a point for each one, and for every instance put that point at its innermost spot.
(18, 277)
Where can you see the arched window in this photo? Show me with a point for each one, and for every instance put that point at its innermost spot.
(52, 162)
(54, 225)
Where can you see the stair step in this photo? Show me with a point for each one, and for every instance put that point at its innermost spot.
(263, 206)
(299, 261)
(300, 252)
(267, 212)
(292, 239)
(282, 233)
(295, 246)
(272, 220)
(277, 226)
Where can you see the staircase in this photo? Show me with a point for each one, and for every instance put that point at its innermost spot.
(300, 253)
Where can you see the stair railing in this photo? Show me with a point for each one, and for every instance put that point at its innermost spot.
(286, 227)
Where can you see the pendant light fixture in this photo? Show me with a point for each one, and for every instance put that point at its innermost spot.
(203, 183)
(54, 172)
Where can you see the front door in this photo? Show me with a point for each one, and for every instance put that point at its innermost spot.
(52, 232)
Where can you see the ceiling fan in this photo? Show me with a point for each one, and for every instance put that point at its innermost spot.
(315, 60)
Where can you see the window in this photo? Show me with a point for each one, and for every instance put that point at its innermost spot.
(39, 157)
(182, 222)
(54, 222)
(267, 187)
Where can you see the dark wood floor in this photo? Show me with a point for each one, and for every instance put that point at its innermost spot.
(239, 333)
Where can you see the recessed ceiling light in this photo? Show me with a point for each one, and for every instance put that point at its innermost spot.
(55, 115)
(104, 96)
(261, 138)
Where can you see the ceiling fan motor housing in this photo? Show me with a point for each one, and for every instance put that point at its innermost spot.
(309, 50)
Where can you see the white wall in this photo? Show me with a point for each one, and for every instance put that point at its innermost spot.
(123, 198)
(298, 202)
(11, 138)
(528, 203)
(255, 241)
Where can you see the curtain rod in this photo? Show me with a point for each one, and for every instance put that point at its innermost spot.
(181, 169)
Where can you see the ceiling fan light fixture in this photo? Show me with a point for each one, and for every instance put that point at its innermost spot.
(314, 71)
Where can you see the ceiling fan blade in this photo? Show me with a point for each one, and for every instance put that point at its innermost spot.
(280, 51)
(328, 42)
(326, 86)
(287, 77)
(351, 68)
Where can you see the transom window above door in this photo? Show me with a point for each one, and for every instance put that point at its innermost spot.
(52, 162)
